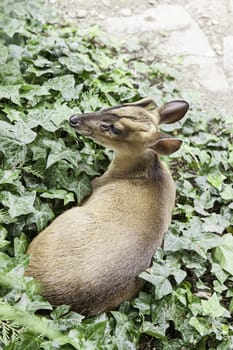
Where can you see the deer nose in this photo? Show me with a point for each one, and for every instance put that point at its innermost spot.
(75, 121)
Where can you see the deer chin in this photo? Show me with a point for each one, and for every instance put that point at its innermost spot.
(84, 132)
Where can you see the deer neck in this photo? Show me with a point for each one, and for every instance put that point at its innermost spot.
(133, 165)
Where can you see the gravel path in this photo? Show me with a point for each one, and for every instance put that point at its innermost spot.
(199, 30)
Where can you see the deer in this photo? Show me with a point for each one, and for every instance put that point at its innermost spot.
(90, 257)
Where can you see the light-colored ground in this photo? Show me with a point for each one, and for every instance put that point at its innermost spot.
(200, 30)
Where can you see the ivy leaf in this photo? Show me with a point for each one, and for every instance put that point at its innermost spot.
(3, 236)
(50, 118)
(196, 236)
(216, 180)
(59, 194)
(9, 177)
(37, 325)
(4, 52)
(20, 245)
(78, 63)
(42, 62)
(15, 153)
(213, 308)
(18, 205)
(41, 216)
(90, 102)
(226, 344)
(82, 188)
(215, 223)
(154, 331)
(40, 72)
(12, 76)
(163, 289)
(223, 254)
(158, 276)
(65, 318)
(59, 151)
(70, 156)
(20, 132)
(227, 193)
(31, 92)
(199, 324)
(142, 302)
(10, 92)
(27, 342)
(64, 84)
(204, 202)
(13, 25)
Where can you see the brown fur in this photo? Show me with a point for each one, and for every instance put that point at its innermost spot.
(90, 256)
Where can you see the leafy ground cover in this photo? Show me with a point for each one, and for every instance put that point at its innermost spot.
(48, 71)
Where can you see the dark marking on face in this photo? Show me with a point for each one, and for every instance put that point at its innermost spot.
(156, 169)
(115, 107)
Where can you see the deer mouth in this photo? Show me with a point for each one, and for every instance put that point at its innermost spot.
(85, 132)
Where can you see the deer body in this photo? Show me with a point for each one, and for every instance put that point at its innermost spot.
(90, 256)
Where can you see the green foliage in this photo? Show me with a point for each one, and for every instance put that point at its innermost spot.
(47, 73)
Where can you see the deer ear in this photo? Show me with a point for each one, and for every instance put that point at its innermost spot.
(172, 111)
(165, 144)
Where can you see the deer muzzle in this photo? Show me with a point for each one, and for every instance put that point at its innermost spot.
(79, 123)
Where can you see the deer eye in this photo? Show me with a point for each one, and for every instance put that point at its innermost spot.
(110, 127)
